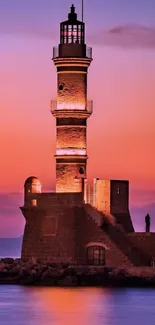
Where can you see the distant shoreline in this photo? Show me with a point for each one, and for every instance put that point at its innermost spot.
(15, 271)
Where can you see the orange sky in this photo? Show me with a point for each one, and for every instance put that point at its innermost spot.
(121, 131)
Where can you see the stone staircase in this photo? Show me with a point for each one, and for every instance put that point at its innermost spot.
(117, 256)
(116, 235)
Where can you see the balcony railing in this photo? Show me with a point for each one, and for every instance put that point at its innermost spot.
(88, 52)
(55, 105)
(56, 52)
(90, 106)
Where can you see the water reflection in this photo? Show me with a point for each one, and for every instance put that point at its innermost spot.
(69, 306)
(77, 306)
(74, 306)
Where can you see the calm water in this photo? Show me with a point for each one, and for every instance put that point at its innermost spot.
(86, 306)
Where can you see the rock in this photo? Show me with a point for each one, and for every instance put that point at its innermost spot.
(18, 261)
(91, 271)
(51, 272)
(65, 265)
(2, 266)
(143, 272)
(62, 274)
(39, 270)
(7, 260)
(118, 273)
(33, 273)
(68, 281)
(79, 269)
(16, 268)
(70, 271)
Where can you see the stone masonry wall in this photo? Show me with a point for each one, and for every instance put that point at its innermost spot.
(47, 200)
(146, 241)
(102, 195)
(71, 136)
(119, 196)
(112, 200)
(57, 241)
(59, 227)
(87, 231)
(119, 208)
(65, 177)
(73, 232)
(41, 245)
(75, 88)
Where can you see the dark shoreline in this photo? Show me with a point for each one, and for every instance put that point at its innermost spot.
(17, 272)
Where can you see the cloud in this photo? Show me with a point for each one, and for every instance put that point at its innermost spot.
(127, 36)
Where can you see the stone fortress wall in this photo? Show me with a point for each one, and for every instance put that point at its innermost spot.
(50, 225)
(62, 225)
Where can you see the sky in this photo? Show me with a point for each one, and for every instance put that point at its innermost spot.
(121, 83)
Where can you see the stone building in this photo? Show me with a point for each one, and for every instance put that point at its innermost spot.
(76, 223)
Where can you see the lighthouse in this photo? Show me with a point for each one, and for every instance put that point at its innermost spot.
(64, 226)
(71, 108)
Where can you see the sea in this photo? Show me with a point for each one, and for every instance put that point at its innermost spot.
(22, 305)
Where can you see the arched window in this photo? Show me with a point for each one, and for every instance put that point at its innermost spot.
(95, 255)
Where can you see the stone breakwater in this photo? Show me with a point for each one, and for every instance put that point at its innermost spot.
(66, 274)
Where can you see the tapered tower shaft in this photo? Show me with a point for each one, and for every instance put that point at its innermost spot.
(71, 108)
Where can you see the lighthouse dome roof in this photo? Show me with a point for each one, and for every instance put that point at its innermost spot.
(32, 180)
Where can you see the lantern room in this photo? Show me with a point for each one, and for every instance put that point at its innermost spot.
(72, 39)
(72, 30)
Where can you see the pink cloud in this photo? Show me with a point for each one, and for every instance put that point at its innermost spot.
(127, 36)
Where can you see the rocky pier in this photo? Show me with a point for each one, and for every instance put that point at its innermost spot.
(49, 273)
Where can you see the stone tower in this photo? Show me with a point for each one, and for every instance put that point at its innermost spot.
(71, 108)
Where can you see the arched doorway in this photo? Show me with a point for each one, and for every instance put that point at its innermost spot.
(96, 255)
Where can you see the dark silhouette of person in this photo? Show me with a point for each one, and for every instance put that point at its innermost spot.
(147, 223)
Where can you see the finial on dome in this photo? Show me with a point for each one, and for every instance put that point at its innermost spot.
(72, 9)
(72, 15)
